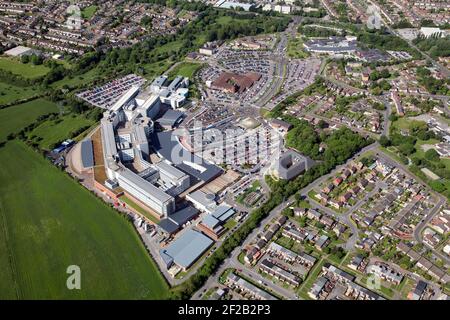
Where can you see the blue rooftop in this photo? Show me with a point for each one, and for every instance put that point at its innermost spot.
(223, 213)
(87, 154)
(210, 221)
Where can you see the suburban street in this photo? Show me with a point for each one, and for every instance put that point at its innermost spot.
(231, 261)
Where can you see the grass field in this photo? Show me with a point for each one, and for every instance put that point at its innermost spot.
(59, 129)
(10, 93)
(84, 79)
(139, 209)
(88, 12)
(48, 222)
(155, 69)
(295, 49)
(14, 118)
(26, 70)
(185, 69)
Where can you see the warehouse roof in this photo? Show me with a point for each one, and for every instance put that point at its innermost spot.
(210, 221)
(203, 198)
(223, 212)
(188, 248)
(168, 226)
(19, 51)
(182, 216)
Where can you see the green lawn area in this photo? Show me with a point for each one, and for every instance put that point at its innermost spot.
(157, 68)
(48, 222)
(14, 118)
(80, 80)
(53, 131)
(88, 12)
(26, 70)
(230, 224)
(185, 69)
(224, 20)
(136, 207)
(168, 47)
(308, 283)
(295, 48)
(10, 93)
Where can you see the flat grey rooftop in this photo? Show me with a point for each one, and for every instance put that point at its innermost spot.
(166, 144)
(188, 248)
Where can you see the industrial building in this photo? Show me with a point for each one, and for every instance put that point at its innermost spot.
(185, 250)
(202, 200)
(20, 51)
(213, 224)
(174, 222)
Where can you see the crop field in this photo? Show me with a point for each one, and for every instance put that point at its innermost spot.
(26, 70)
(48, 222)
(13, 119)
(53, 131)
(10, 93)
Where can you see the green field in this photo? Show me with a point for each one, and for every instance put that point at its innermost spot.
(53, 131)
(157, 68)
(139, 209)
(10, 93)
(26, 70)
(88, 12)
(169, 47)
(295, 49)
(80, 80)
(48, 222)
(185, 69)
(14, 118)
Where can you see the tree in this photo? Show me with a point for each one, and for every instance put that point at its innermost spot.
(384, 141)
(406, 148)
(432, 155)
(36, 59)
(25, 58)
(393, 117)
